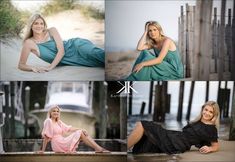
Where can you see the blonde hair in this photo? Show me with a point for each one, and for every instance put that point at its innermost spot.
(32, 19)
(51, 108)
(216, 113)
(150, 41)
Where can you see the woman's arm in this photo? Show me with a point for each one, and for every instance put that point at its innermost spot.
(158, 60)
(60, 48)
(142, 42)
(213, 148)
(44, 144)
(24, 57)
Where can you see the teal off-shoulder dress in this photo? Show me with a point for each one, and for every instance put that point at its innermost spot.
(78, 52)
(171, 67)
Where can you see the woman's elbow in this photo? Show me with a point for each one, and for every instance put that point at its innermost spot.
(140, 48)
(20, 66)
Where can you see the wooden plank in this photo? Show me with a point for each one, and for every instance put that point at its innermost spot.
(233, 46)
(214, 43)
(222, 42)
(228, 42)
(56, 157)
(203, 42)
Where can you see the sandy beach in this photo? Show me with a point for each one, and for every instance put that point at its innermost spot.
(70, 24)
(119, 64)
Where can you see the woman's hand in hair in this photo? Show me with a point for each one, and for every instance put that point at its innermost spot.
(147, 27)
(205, 149)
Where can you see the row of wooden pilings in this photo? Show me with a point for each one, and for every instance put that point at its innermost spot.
(207, 47)
(162, 100)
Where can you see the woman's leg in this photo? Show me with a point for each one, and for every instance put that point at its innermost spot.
(90, 142)
(135, 135)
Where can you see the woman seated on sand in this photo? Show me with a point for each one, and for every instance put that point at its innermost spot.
(54, 130)
(164, 64)
(48, 45)
(150, 137)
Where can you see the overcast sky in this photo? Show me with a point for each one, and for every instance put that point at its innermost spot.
(124, 20)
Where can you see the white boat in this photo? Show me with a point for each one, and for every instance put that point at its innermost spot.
(75, 101)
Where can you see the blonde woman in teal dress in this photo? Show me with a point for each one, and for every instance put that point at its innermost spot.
(163, 64)
(48, 45)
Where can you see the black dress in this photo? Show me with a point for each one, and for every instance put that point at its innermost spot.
(159, 140)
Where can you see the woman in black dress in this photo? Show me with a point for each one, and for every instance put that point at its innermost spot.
(150, 137)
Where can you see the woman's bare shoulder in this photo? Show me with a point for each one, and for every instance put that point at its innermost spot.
(52, 29)
(28, 43)
(48, 120)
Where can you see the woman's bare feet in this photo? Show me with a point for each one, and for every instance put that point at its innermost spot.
(102, 150)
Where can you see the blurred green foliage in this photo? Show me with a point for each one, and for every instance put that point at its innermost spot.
(10, 22)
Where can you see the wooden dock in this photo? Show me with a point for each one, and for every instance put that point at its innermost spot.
(226, 153)
(59, 157)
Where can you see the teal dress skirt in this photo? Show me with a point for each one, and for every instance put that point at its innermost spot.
(171, 67)
(78, 52)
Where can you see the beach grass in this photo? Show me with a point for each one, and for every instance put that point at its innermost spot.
(11, 24)
(56, 6)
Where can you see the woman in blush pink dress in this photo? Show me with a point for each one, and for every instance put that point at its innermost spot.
(54, 130)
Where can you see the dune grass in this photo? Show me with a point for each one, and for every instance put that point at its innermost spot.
(10, 20)
(56, 6)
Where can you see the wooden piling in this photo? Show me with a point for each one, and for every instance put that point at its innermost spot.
(103, 110)
(202, 48)
(181, 97)
(190, 101)
(157, 103)
(222, 45)
(207, 91)
(150, 97)
(123, 117)
(26, 110)
(233, 45)
(142, 108)
(12, 87)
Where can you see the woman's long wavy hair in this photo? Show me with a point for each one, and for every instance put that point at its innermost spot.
(216, 113)
(29, 31)
(51, 108)
(151, 42)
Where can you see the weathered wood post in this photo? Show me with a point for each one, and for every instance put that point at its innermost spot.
(181, 97)
(103, 110)
(214, 41)
(1, 121)
(207, 91)
(150, 97)
(233, 45)
(232, 125)
(26, 110)
(12, 87)
(130, 101)
(202, 48)
(190, 11)
(190, 101)
(6, 128)
(157, 103)
(123, 116)
(222, 42)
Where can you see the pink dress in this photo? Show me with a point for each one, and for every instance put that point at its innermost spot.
(55, 132)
